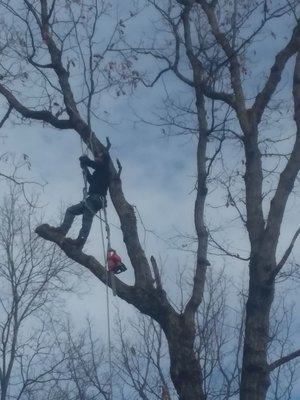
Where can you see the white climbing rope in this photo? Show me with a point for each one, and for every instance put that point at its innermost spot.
(107, 228)
(107, 289)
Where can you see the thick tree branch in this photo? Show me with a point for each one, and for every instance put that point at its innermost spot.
(199, 211)
(263, 98)
(60, 70)
(235, 72)
(289, 174)
(198, 70)
(85, 260)
(124, 209)
(148, 300)
(130, 234)
(45, 116)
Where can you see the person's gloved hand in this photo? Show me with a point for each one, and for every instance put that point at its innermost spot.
(83, 159)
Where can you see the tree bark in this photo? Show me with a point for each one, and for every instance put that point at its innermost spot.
(264, 236)
(255, 379)
(185, 367)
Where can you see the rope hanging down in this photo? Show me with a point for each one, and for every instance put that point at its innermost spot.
(107, 311)
(112, 261)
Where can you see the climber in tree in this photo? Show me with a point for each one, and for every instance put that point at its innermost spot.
(94, 200)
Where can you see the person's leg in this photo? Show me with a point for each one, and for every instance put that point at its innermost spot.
(70, 214)
(92, 206)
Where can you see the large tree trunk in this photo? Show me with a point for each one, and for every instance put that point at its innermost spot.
(179, 329)
(255, 372)
(185, 367)
(263, 268)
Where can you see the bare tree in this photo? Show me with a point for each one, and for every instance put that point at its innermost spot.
(12, 169)
(284, 373)
(212, 53)
(84, 373)
(141, 356)
(141, 359)
(32, 274)
(209, 46)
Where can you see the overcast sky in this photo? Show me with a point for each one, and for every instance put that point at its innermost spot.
(158, 178)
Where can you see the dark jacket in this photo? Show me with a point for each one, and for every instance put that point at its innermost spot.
(99, 179)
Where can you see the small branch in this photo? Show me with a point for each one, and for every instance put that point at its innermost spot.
(119, 168)
(284, 360)
(226, 252)
(286, 255)
(7, 114)
(151, 84)
(37, 65)
(20, 183)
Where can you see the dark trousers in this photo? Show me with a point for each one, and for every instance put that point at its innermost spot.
(87, 209)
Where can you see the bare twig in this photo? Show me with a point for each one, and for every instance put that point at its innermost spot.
(6, 116)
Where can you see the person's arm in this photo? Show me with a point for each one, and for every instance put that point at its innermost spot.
(84, 167)
(85, 161)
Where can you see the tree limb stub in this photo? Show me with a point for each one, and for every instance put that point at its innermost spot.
(156, 272)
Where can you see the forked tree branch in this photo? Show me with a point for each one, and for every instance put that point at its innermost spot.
(149, 300)
(281, 59)
(289, 174)
(42, 115)
(83, 259)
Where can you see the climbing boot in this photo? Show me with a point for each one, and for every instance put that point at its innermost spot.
(57, 229)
